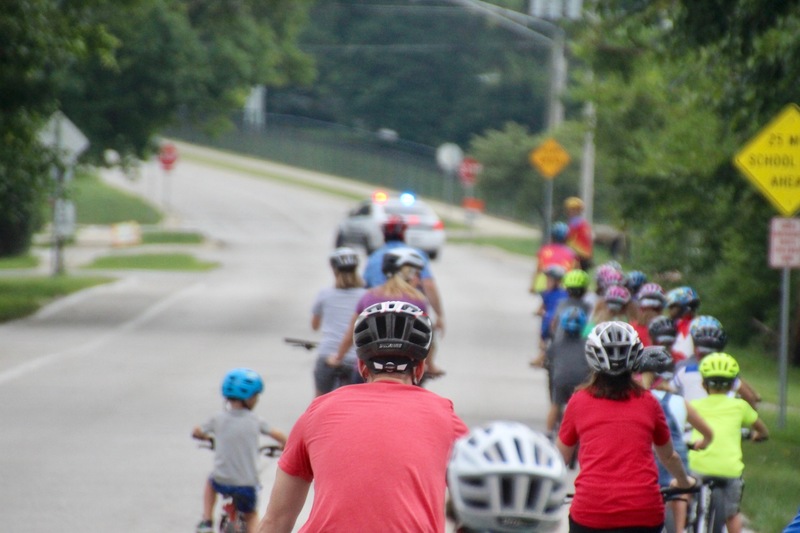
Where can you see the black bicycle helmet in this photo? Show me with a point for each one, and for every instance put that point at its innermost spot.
(388, 332)
(656, 359)
(662, 330)
(707, 334)
(344, 259)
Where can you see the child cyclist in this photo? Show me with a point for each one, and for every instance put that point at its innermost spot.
(566, 361)
(726, 416)
(553, 294)
(235, 434)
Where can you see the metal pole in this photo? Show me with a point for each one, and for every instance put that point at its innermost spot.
(783, 358)
(587, 164)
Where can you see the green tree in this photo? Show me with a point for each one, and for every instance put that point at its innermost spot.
(35, 37)
(199, 58)
(676, 97)
(434, 72)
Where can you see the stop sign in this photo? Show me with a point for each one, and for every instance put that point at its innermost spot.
(168, 155)
(468, 170)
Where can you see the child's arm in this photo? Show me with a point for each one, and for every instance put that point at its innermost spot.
(199, 434)
(277, 435)
(698, 423)
(760, 431)
(748, 394)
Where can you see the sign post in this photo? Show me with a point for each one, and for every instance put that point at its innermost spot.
(549, 158)
(449, 157)
(771, 161)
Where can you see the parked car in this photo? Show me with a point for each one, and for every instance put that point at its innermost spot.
(363, 224)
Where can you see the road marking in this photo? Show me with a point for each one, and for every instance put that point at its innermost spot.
(149, 313)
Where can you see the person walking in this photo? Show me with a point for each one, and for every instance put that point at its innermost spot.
(618, 424)
(377, 453)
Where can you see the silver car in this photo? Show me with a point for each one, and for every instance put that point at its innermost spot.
(363, 224)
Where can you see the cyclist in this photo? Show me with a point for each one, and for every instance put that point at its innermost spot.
(617, 424)
(634, 281)
(708, 337)
(579, 237)
(726, 416)
(377, 453)
(554, 253)
(682, 304)
(650, 301)
(394, 234)
(402, 268)
(662, 332)
(553, 294)
(506, 477)
(605, 276)
(235, 434)
(656, 367)
(566, 362)
(576, 283)
(332, 311)
(615, 305)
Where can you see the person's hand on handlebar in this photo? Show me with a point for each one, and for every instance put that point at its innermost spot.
(690, 482)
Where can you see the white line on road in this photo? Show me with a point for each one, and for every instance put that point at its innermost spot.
(152, 311)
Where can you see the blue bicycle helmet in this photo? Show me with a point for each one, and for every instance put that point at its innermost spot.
(634, 281)
(573, 319)
(707, 334)
(241, 384)
(559, 232)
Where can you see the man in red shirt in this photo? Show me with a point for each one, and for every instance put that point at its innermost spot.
(580, 236)
(377, 453)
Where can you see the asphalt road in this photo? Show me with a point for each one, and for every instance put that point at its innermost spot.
(99, 391)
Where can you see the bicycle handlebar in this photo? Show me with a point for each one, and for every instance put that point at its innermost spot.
(268, 450)
(308, 345)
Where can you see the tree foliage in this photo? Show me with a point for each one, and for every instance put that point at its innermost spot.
(679, 87)
(121, 71)
(432, 71)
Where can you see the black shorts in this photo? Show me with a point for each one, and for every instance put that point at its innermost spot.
(575, 527)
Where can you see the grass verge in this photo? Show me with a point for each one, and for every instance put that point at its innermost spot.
(172, 237)
(98, 203)
(19, 261)
(22, 296)
(176, 262)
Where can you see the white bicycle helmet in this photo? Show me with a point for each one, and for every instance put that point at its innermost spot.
(613, 348)
(397, 258)
(344, 258)
(505, 477)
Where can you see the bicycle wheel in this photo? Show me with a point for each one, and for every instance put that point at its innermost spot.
(715, 514)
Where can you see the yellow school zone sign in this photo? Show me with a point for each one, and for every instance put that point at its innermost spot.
(771, 160)
(549, 158)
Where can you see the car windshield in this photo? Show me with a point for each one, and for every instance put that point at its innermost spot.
(396, 208)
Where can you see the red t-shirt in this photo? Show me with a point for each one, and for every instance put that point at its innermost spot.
(618, 481)
(378, 454)
(683, 347)
(643, 332)
(556, 254)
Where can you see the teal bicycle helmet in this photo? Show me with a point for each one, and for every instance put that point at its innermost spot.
(241, 384)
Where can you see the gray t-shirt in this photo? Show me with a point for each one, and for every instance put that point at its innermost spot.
(336, 307)
(236, 435)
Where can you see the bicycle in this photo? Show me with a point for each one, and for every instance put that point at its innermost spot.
(231, 521)
(706, 513)
(301, 343)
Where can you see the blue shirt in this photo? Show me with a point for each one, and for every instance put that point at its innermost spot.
(550, 300)
(373, 270)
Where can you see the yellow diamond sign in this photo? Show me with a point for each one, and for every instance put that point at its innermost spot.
(549, 158)
(771, 160)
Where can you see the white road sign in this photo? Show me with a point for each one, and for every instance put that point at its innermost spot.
(784, 243)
